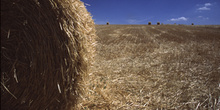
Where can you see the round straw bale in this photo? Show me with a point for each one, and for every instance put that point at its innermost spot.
(158, 23)
(149, 23)
(107, 23)
(46, 47)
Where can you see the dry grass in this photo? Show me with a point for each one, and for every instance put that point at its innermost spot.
(46, 46)
(151, 67)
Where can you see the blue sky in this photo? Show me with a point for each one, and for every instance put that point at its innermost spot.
(199, 12)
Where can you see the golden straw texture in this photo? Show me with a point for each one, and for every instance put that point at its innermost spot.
(46, 48)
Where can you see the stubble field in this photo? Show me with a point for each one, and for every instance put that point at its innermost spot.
(155, 67)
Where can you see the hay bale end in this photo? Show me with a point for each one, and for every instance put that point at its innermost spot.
(47, 46)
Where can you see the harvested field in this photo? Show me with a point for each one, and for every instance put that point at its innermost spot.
(155, 67)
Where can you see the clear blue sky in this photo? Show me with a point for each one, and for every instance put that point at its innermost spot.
(199, 12)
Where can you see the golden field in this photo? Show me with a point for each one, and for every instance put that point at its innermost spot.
(145, 67)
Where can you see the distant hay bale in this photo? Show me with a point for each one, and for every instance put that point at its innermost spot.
(158, 23)
(107, 23)
(46, 47)
(149, 23)
(192, 24)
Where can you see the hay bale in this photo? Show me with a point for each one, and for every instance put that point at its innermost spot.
(149, 23)
(158, 23)
(107, 23)
(192, 24)
(47, 46)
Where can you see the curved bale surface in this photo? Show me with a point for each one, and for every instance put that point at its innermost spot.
(46, 47)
